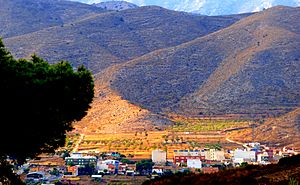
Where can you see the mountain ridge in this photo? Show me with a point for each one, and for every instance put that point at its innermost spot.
(20, 17)
(114, 37)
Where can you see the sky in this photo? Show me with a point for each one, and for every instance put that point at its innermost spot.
(210, 7)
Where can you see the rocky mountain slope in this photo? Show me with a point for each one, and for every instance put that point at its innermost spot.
(249, 68)
(105, 39)
(149, 61)
(18, 17)
(115, 5)
(280, 131)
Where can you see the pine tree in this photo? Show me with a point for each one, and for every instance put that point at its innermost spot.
(39, 102)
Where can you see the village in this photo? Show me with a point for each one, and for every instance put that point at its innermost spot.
(114, 167)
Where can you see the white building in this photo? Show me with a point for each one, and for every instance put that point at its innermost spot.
(263, 158)
(79, 159)
(157, 171)
(159, 156)
(194, 163)
(254, 145)
(110, 161)
(76, 155)
(240, 156)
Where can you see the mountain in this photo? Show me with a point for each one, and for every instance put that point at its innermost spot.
(250, 69)
(150, 62)
(213, 7)
(105, 39)
(115, 5)
(18, 17)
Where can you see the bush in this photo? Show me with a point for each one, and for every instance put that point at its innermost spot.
(287, 161)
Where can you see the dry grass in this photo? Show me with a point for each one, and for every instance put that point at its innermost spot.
(141, 144)
(280, 131)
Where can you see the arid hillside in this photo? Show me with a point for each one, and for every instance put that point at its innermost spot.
(102, 40)
(250, 68)
(281, 131)
(110, 113)
(150, 62)
(18, 17)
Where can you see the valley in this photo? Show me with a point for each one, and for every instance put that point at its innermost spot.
(152, 64)
(168, 80)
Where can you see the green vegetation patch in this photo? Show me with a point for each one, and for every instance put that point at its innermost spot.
(206, 125)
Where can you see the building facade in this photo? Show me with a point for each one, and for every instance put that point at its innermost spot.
(159, 156)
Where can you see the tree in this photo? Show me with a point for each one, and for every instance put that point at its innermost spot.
(127, 161)
(54, 172)
(243, 164)
(130, 155)
(39, 102)
(144, 166)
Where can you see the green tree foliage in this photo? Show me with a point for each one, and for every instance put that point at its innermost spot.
(244, 164)
(127, 161)
(39, 102)
(144, 166)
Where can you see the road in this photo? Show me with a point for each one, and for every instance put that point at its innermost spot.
(239, 143)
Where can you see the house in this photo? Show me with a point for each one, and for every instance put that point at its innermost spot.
(184, 159)
(214, 155)
(158, 170)
(254, 145)
(240, 156)
(112, 169)
(159, 156)
(122, 168)
(112, 166)
(181, 156)
(131, 167)
(194, 163)
(101, 167)
(73, 170)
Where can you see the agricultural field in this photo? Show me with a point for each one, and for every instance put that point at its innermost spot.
(206, 125)
(185, 134)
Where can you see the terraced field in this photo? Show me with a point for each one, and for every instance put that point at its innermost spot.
(139, 144)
